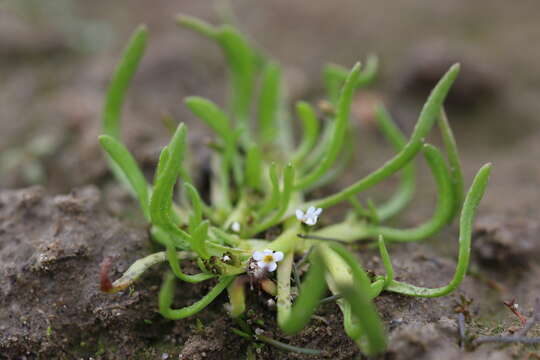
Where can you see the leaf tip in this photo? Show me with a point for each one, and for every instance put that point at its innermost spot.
(454, 69)
(141, 29)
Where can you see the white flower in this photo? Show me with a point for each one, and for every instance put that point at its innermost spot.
(310, 217)
(235, 226)
(226, 258)
(267, 259)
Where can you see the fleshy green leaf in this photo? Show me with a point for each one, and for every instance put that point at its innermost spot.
(161, 201)
(164, 238)
(197, 206)
(219, 122)
(335, 76)
(311, 292)
(269, 102)
(369, 73)
(339, 132)
(284, 199)
(166, 295)
(237, 296)
(127, 164)
(453, 159)
(198, 242)
(427, 117)
(472, 200)
(443, 212)
(310, 125)
(121, 80)
(163, 158)
(386, 262)
(212, 115)
(254, 166)
(197, 25)
(116, 92)
(243, 65)
(406, 188)
(273, 200)
(368, 330)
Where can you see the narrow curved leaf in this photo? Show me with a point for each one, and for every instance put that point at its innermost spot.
(166, 295)
(427, 117)
(472, 200)
(127, 164)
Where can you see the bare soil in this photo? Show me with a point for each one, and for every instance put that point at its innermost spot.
(53, 237)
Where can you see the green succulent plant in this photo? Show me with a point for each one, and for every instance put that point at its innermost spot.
(262, 179)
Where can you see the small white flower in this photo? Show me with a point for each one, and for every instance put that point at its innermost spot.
(259, 331)
(235, 226)
(310, 217)
(267, 259)
(226, 258)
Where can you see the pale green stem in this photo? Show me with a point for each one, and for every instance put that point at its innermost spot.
(284, 303)
(140, 266)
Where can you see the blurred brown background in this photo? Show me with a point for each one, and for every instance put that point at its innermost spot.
(56, 58)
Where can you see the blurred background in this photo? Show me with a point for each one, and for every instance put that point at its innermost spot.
(56, 58)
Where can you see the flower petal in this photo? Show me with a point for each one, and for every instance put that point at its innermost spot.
(267, 252)
(278, 256)
(299, 214)
(311, 221)
(271, 266)
(235, 226)
(310, 211)
(262, 265)
(318, 212)
(257, 255)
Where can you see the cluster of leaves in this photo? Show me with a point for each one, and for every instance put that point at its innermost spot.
(260, 176)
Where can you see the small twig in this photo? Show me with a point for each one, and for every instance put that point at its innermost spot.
(519, 337)
(287, 347)
(506, 340)
(304, 258)
(463, 307)
(296, 267)
(330, 299)
(296, 276)
(530, 323)
(513, 307)
(461, 330)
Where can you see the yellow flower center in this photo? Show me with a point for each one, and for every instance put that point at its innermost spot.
(268, 258)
